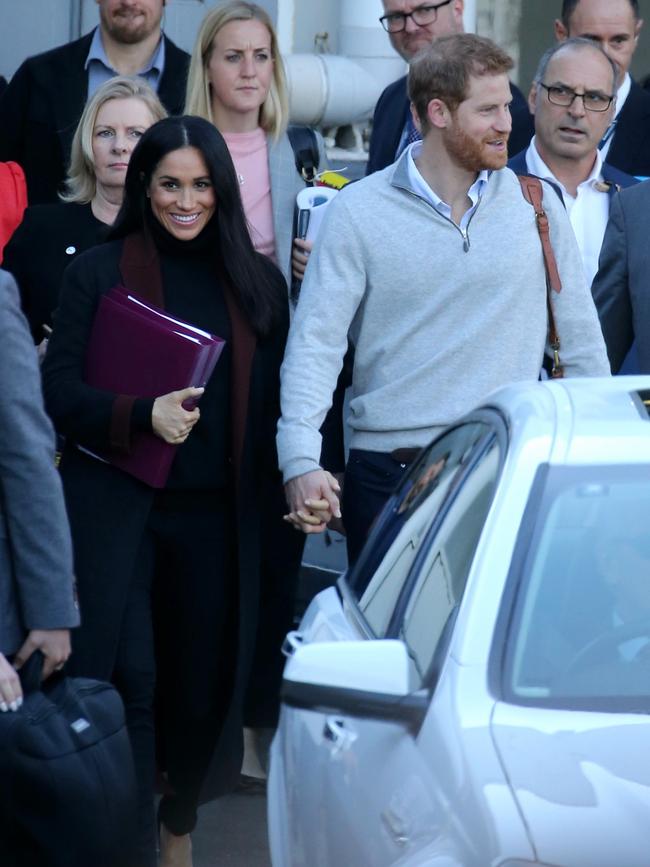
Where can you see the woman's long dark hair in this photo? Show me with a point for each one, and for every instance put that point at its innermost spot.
(251, 282)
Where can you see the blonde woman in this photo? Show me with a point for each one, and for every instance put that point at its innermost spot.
(51, 236)
(237, 81)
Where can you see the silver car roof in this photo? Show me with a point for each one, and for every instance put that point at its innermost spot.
(599, 420)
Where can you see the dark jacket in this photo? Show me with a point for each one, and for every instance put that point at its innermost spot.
(108, 509)
(620, 288)
(36, 583)
(41, 248)
(41, 107)
(391, 113)
(630, 148)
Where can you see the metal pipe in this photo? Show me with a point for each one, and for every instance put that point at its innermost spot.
(75, 19)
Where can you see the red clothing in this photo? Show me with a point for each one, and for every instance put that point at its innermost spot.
(13, 200)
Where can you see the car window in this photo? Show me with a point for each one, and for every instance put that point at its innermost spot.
(387, 558)
(443, 573)
(580, 635)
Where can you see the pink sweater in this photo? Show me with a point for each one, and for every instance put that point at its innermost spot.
(250, 155)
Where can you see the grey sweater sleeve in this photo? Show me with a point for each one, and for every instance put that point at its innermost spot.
(32, 503)
(332, 290)
(582, 347)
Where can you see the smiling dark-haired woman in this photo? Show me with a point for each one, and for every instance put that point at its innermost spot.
(189, 552)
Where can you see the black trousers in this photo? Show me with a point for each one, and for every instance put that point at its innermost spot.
(370, 478)
(174, 645)
(196, 636)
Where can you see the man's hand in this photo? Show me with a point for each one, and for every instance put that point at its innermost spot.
(300, 257)
(54, 644)
(11, 693)
(313, 501)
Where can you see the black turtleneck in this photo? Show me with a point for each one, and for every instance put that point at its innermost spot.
(193, 291)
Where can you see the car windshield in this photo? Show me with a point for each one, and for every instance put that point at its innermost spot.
(580, 635)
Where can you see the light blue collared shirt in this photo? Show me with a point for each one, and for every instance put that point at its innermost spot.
(100, 70)
(423, 189)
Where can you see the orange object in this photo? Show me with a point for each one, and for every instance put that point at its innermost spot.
(13, 200)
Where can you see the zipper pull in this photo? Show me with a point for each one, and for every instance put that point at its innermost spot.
(465, 241)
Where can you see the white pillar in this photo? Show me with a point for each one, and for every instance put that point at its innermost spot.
(286, 25)
(469, 16)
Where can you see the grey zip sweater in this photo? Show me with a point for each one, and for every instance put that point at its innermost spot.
(438, 318)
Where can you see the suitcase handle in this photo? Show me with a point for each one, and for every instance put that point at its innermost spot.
(31, 673)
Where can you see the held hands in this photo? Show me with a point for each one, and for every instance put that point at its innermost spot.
(54, 644)
(313, 501)
(300, 257)
(170, 421)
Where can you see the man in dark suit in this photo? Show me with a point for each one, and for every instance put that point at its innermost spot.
(41, 107)
(615, 25)
(621, 288)
(411, 26)
(37, 605)
(573, 99)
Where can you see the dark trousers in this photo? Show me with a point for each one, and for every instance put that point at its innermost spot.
(370, 478)
(134, 677)
(195, 610)
(173, 637)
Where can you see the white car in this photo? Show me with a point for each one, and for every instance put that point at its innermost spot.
(476, 690)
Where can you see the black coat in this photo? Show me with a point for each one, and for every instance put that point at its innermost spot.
(630, 147)
(108, 509)
(391, 113)
(41, 107)
(41, 248)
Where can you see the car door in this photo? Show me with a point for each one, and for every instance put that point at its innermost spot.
(360, 791)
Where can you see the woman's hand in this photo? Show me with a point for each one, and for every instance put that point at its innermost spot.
(170, 421)
(313, 501)
(11, 693)
(300, 257)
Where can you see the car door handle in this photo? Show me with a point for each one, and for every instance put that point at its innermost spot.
(395, 826)
(293, 640)
(338, 734)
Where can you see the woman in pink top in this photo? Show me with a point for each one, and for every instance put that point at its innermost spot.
(236, 80)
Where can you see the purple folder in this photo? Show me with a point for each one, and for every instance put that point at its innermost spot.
(138, 349)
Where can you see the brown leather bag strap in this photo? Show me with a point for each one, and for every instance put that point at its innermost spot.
(532, 190)
(533, 193)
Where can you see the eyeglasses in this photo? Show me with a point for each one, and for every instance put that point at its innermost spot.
(395, 22)
(593, 100)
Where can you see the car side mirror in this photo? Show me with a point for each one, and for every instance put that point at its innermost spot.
(367, 679)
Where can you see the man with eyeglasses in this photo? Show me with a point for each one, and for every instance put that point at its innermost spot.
(615, 25)
(573, 100)
(411, 26)
(433, 268)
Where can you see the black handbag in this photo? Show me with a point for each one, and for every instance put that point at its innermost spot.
(67, 784)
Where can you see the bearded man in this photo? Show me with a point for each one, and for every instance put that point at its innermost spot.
(40, 108)
(434, 267)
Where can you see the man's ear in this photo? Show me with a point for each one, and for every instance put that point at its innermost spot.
(457, 11)
(415, 118)
(532, 98)
(637, 29)
(438, 114)
(561, 32)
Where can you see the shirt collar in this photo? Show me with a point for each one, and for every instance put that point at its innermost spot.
(536, 166)
(422, 188)
(98, 54)
(622, 94)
